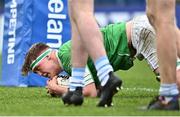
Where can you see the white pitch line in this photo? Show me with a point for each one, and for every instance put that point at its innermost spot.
(141, 89)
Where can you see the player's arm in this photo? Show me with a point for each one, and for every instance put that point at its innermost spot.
(153, 63)
(147, 49)
(59, 85)
(156, 71)
(152, 60)
(54, 89)
(89, 89)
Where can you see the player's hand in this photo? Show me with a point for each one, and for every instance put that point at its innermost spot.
(52, 85)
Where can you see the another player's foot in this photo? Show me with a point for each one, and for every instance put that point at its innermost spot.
(107, 92)
(73, 97)
(160, 103)
(66, 98)
(77, 97)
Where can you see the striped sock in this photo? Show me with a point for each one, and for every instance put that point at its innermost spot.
(77, 78)
(103, 68)
(168, 90)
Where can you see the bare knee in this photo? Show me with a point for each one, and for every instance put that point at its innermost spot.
(161, 12)
(151, 16)
(80, 9)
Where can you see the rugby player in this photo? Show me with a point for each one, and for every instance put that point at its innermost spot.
(87, 41)
(124, 42)
(161, 14)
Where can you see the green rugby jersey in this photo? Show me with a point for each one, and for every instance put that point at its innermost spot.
(115, 42)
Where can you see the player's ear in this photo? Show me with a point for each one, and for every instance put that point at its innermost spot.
(50, 56)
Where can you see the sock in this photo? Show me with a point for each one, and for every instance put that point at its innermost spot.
(169, 91)
(77, 79)
(103, 68)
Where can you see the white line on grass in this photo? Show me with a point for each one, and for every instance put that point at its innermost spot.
(141, 89)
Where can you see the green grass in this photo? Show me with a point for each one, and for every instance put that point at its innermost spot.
(0, 65)
(139, 87)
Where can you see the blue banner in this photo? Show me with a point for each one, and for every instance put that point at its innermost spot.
(27, 22)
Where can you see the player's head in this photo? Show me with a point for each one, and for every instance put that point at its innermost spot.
(41, 59)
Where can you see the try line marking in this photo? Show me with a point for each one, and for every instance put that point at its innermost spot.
(140, 89)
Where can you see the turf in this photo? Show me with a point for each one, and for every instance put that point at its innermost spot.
(139, 87)
(0, 64)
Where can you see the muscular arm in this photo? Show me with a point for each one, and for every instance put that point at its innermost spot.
(88, 91)
(53, 88)
(58, 88)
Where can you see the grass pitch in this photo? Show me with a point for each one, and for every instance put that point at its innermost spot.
(139, 87)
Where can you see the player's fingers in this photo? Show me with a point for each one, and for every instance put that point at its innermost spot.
(55, 77)
(54, 80)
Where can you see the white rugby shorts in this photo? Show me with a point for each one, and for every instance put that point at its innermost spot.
(143, 40)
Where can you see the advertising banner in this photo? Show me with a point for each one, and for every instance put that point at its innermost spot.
(27, 22)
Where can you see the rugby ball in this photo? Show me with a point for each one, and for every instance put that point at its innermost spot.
(63, 81)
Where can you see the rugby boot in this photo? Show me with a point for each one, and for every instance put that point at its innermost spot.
(66, 97)
(73, 97)
(107, 92)
(77, 97)
(159, 103)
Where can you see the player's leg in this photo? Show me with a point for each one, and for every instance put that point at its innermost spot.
(161, 14)
(90, 34)
(79, 60)
(178, 42)
(178, 60)
(83, 15)
(178, 73)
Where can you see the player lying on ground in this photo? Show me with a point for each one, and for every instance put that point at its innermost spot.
(123, 43)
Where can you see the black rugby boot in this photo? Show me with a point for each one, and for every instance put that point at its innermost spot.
(73, 97)
(159, 103)
(77, 97)
(107, 92)
(66, 97)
